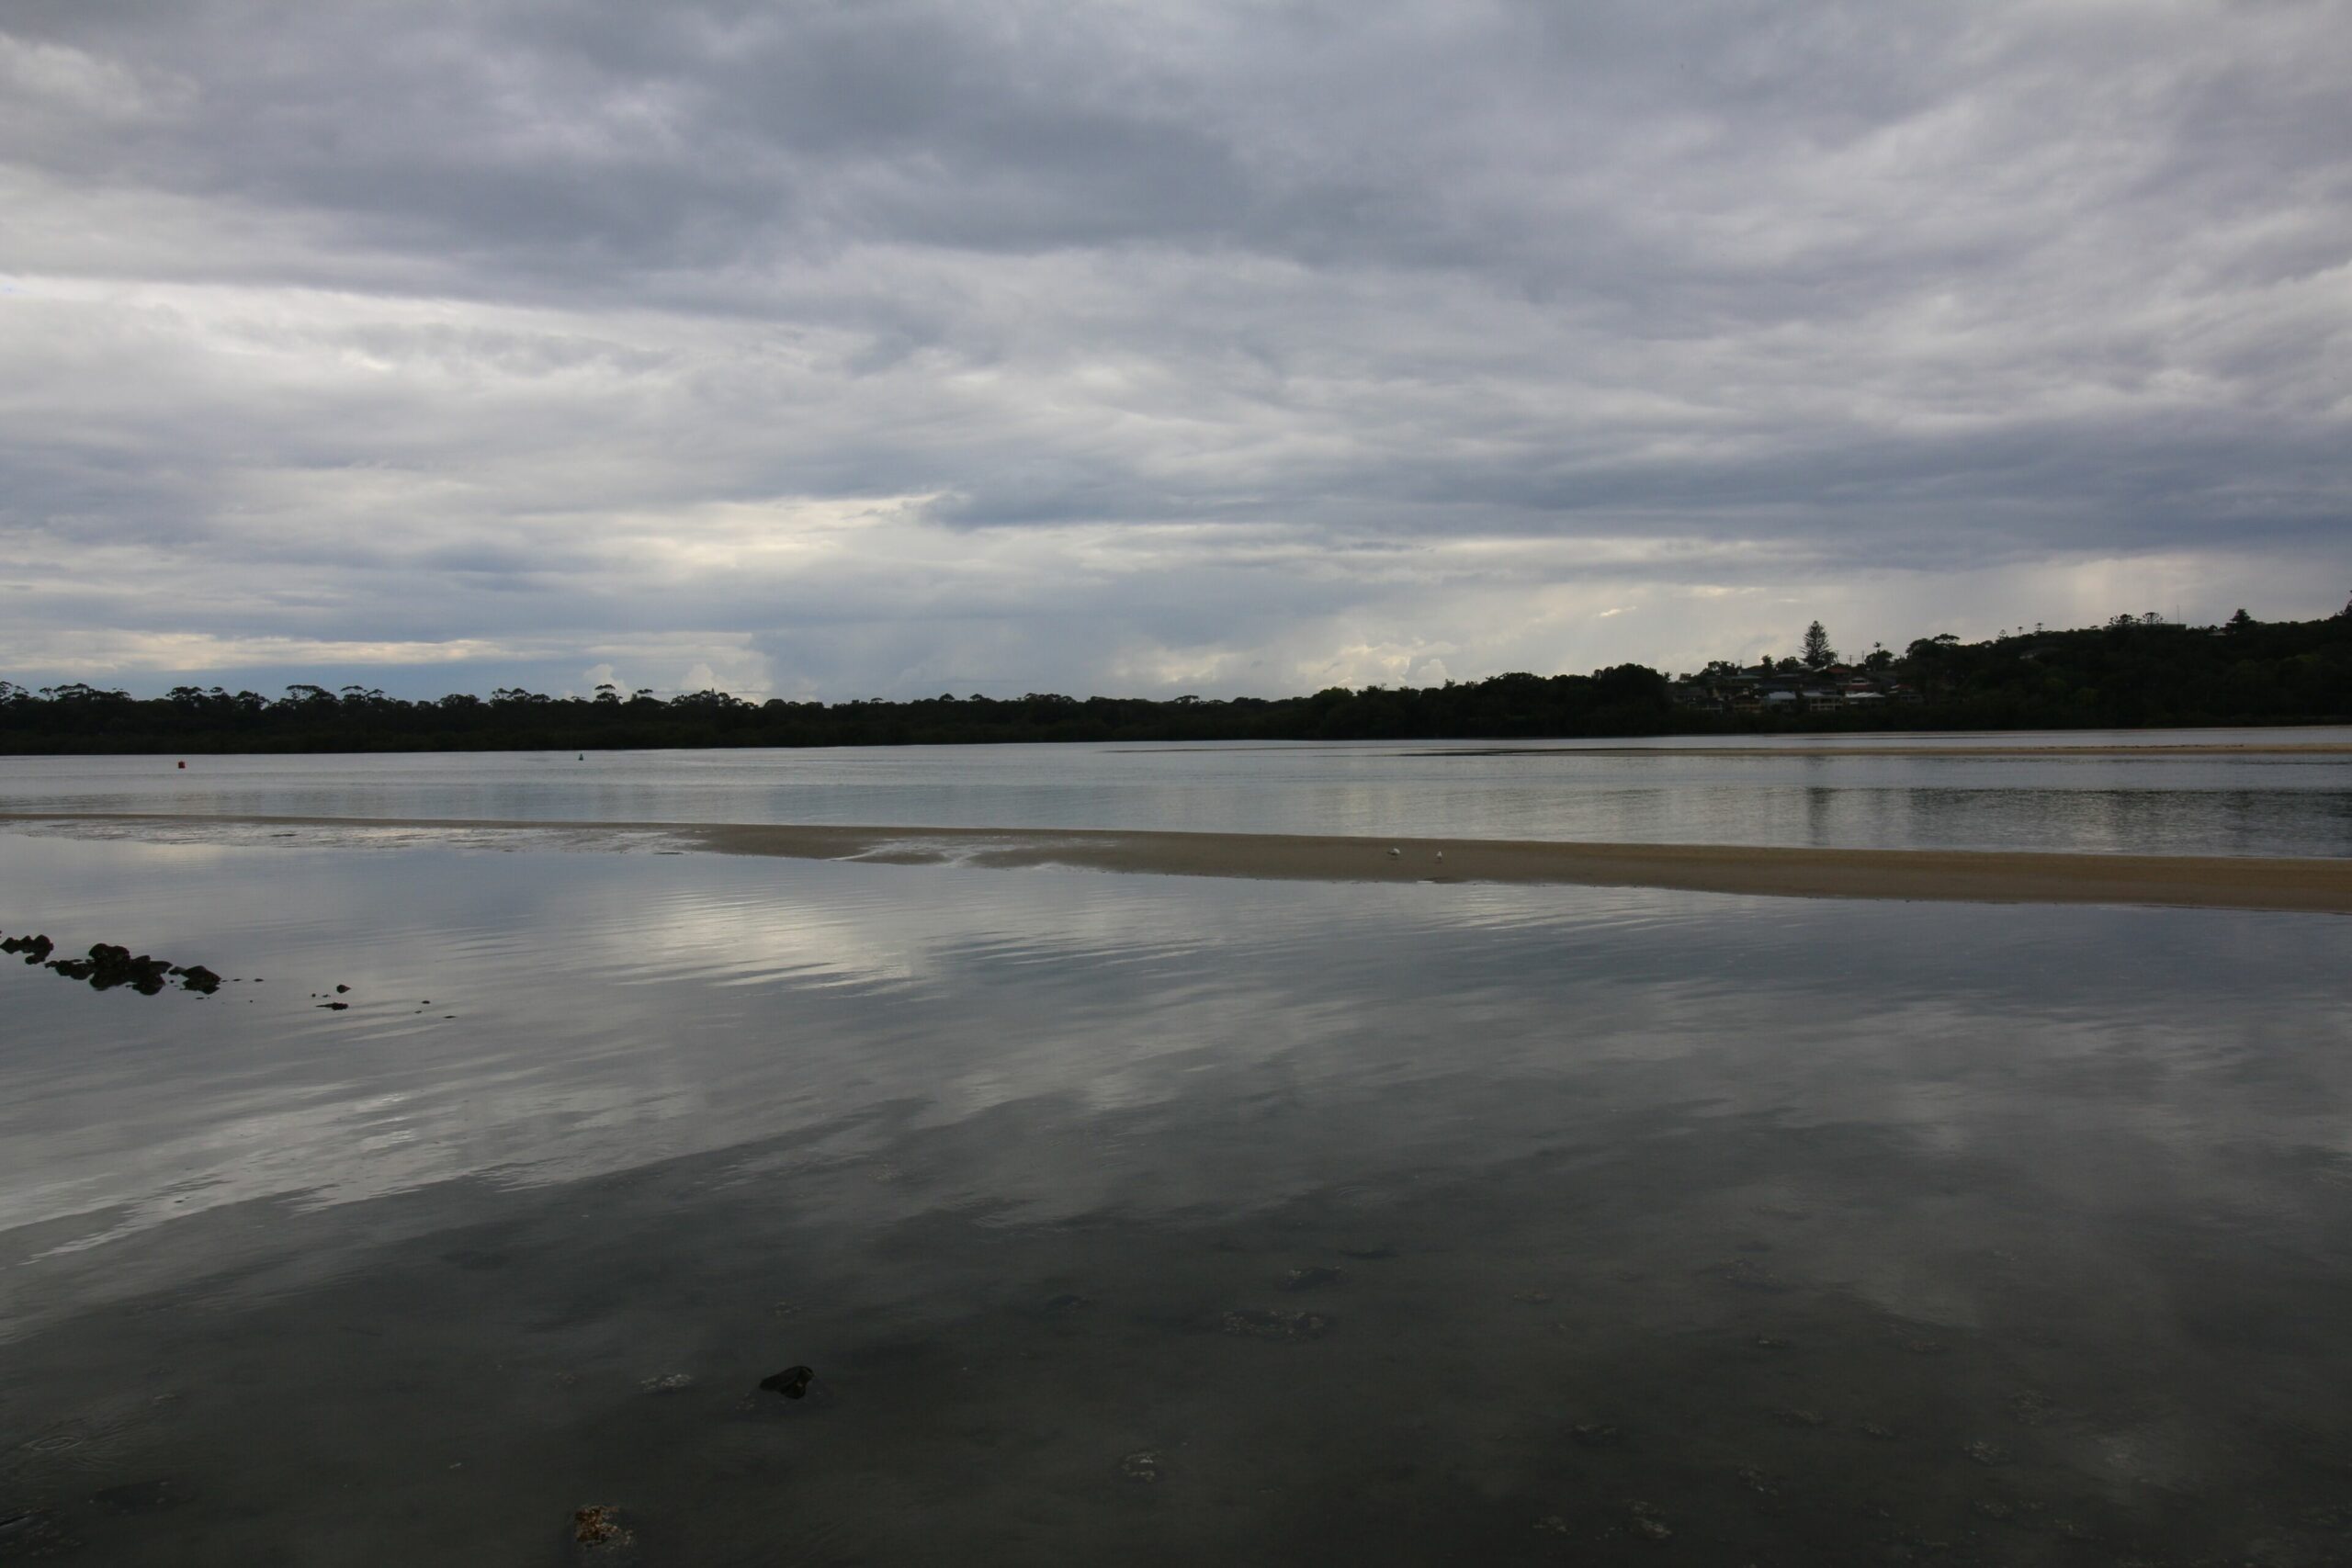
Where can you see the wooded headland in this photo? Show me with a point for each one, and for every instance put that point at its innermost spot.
(2132, 673)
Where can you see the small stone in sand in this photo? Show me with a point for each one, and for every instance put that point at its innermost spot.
(599, 1525)
(792, 1382)
(1251, 1323)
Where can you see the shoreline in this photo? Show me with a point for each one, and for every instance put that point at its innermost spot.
(1996, 877)
(2317, 749)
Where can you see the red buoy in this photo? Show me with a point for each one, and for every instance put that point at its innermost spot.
(183, 764)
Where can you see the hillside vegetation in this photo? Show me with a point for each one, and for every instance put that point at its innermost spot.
(2132, 672)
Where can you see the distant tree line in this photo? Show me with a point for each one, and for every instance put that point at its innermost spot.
(2133, 671)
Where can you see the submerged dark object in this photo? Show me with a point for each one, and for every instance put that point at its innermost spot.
(792, 1382)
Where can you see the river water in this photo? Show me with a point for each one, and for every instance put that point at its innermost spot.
(1159, 1220)
(2158, 804)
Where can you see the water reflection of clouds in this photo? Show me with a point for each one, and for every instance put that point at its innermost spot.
(616, 1011)
(2185, 804)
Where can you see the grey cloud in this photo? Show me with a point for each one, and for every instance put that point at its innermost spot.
(1192, 338)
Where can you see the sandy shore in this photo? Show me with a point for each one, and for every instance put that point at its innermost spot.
(2211, 882)
(2316, 749)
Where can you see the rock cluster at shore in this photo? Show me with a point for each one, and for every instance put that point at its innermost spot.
(108, 966)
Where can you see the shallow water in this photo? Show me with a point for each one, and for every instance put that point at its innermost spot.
(2153, 804)
(1666, 1226)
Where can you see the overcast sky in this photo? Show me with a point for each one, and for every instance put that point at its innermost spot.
(884, 349)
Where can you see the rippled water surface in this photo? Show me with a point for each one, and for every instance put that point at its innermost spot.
(1132, 1219)
(2257, 805)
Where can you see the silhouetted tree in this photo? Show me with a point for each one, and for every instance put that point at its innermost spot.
(1818, 654)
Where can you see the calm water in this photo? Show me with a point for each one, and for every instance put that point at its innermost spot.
(1132, 1219)
(2255, 805)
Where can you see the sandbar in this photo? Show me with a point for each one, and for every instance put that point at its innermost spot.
(2209, 882)
(2314, 748)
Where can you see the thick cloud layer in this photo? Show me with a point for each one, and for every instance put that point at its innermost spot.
(877, 348)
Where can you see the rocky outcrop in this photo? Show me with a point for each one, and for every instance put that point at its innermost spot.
(108, 966)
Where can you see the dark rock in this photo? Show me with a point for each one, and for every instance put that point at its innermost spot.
(111, 967)
(336, 1006)
(36, 949)
(792, 1382)
(107, 967)
(1368, 1254)
(1309, 1278)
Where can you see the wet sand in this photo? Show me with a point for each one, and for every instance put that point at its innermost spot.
(2213, 882)
(2234, 749)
